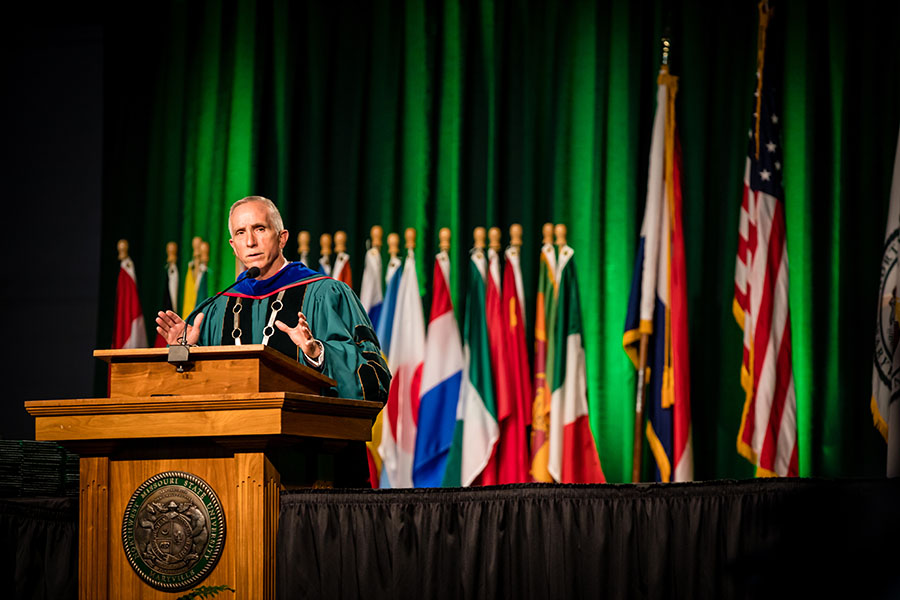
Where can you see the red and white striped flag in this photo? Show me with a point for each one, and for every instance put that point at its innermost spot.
(768, 433)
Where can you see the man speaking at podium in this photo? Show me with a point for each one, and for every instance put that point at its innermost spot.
(289, 307)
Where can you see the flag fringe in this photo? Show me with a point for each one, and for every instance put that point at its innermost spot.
(743, 448)
(880, 424)
(659, 454)
(761, 472)
(632, 337)
(738, 313)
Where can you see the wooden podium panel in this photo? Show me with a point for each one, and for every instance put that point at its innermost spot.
(243, 438)
(214, 369)
(248, 487)
(278, 414)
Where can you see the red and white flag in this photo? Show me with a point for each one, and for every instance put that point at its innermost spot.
(768, 433)
(406, 358)
(572, 456)
(129, 330)
(341, 269)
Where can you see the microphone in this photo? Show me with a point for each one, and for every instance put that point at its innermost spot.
(251, 273)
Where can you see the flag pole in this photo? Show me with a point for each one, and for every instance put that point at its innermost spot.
(639, 410)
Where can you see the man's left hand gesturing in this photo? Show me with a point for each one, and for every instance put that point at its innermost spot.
(302, 336)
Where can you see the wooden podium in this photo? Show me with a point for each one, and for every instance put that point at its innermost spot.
(247, 420)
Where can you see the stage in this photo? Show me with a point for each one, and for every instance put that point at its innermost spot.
(717, 539)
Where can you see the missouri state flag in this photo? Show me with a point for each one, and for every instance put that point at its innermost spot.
(657, 306)
(441, 380)
(406, 360)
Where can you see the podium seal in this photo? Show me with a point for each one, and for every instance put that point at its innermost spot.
(173, 531)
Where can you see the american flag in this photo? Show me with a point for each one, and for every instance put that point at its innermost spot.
(768, 433)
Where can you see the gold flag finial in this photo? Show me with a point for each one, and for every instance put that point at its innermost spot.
(410, 236)
(171, 253)
(376, 233)
(515, 235)
(393, 241)
(303, 243)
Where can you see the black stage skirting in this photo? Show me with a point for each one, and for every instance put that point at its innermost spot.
(722, 539)
(39, 547)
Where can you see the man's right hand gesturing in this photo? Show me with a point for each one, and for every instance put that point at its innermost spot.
(171, 326)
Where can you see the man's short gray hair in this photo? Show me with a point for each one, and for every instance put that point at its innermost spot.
(274, 215)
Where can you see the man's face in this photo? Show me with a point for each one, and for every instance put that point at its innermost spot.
(254, 239)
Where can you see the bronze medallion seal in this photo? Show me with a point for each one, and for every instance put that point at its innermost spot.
(173, 531)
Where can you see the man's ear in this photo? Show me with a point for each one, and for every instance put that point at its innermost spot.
(283, 238)
(231, 241)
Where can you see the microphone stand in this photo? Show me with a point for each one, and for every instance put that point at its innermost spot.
(180, 353)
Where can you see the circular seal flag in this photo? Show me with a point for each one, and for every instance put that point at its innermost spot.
(173, 531)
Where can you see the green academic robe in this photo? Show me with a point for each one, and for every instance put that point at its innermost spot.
(335, 316)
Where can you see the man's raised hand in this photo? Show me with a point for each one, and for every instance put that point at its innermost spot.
(171, 326)
(301, 335)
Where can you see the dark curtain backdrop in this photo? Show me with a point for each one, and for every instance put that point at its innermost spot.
(490, 112)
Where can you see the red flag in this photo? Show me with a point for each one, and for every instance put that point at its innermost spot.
(514, 435)
(129, 330)
(503, 461)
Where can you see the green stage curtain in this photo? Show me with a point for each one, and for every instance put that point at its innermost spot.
(490, 112)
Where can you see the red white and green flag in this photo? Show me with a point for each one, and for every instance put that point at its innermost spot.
(477, 431)
(573, 454)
